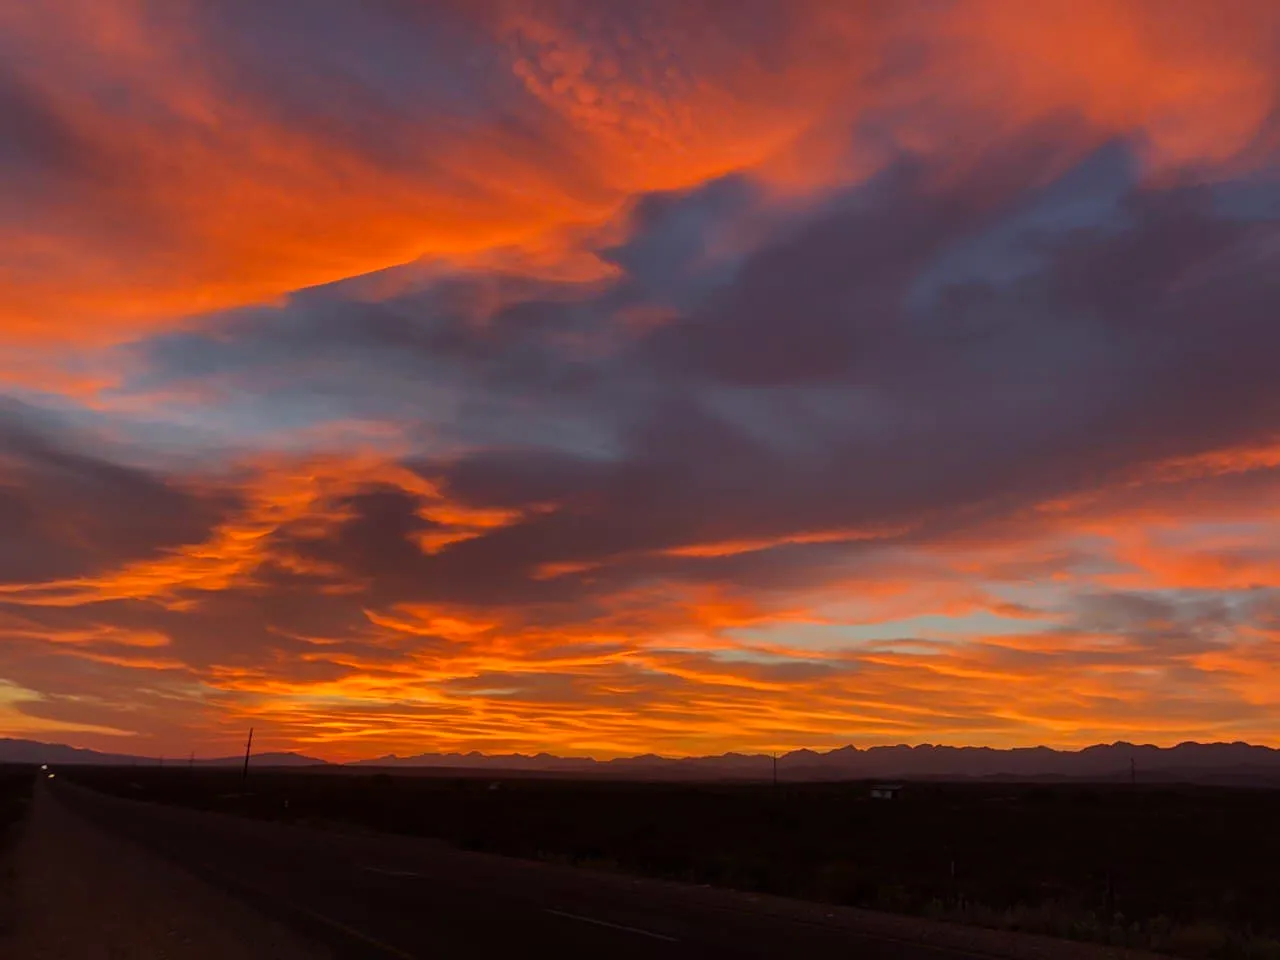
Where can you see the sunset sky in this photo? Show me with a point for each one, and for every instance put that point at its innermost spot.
(602, 378)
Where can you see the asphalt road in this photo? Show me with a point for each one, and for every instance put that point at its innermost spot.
(379, 897)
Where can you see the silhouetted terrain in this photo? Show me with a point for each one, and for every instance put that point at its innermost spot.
(34, 752)
(1239, 763)
(1187, 869)
(1222, 763)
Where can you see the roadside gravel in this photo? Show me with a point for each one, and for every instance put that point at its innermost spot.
(81, 894)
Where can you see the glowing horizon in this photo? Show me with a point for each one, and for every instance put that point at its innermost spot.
(678, 379)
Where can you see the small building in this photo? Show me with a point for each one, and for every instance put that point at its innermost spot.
(885, 791)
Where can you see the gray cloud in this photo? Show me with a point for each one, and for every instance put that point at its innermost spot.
(67, 513)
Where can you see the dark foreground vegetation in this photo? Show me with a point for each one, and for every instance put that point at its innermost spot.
(1187, 870)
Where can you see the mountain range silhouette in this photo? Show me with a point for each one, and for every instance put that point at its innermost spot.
(1190, 762)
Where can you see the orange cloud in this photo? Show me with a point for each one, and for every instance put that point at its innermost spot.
(1195, 85)
(729, 548)
(208, 195)
(726, 693)
(662, 666)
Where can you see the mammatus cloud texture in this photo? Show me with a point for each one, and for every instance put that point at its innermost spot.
(609, 378)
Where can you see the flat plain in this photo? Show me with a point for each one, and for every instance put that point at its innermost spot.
(1183, 870)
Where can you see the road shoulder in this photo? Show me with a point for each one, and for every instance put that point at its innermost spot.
(80, 893)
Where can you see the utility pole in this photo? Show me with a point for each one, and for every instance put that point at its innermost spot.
(244, 777)
(775, 768)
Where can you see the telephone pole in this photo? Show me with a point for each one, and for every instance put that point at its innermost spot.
(244, 777)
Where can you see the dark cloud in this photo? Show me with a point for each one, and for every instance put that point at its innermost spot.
(68, 513)
(809, 387)
(34, 140)
(1172, 623)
